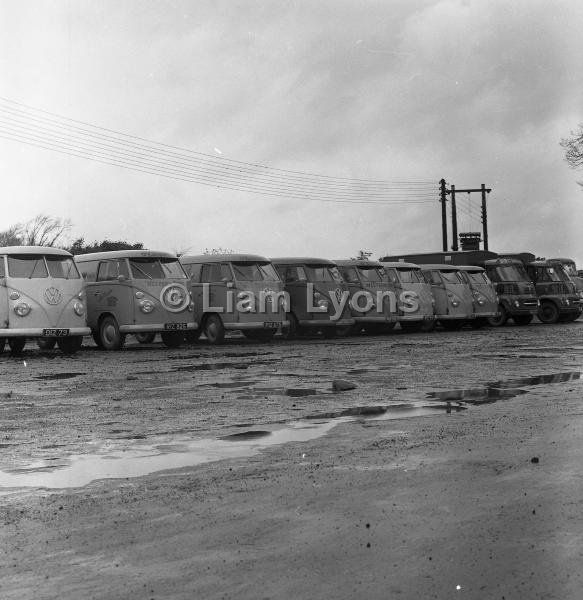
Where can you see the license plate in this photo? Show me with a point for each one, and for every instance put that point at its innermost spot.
(271, 325)
(175, 326)
(54, 332)
(428, 318)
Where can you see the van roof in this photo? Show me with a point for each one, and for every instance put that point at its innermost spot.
(212, 258)
(123, 254)
(469, 268)
(302, 260)
(359, 263)
(34, 250)
(401, 264)
(439, 267)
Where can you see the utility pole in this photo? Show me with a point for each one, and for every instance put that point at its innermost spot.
(483, 190)
(454, 245)
(443, 194)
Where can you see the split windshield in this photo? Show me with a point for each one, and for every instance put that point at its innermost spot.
(245, 271)
(156, 268)
(38, 266)
(323, 273)
(451, 276)
(370, 274)
(477, 277)
(410, 276)
(508, 273)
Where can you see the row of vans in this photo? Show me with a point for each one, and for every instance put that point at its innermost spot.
(47, 294)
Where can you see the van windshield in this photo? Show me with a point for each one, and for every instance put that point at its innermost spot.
(245, 271)
(369, 274)
(62, 267)
(477, 277)
(321, 273)
(27, 266)
(147, 267)
(451, 276)
(410, 276)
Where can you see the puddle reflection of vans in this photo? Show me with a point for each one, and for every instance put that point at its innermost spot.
(368, 279)
(42, 297)
(407, 277)
(235, 292)
(314, 288)
(454, 304)
(142, 292)
(484, 294)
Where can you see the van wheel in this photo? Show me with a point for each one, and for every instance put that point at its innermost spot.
(70, 345)
(46, 343)
(214, 330)
(329, 333)
(145, 338)
(548, 312)
(16, 344)
(172, 339)
(109, 334)
(260, 335)
(291, 332)
(501, 318)
(522, 319)
(96, 339)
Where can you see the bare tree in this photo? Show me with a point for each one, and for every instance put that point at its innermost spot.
(44, 230)
(11, 237)
(218, 251)
(573, 146)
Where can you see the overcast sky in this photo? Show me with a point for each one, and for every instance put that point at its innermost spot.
(471, 91)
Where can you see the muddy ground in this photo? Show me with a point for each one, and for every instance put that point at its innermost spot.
(453, 469)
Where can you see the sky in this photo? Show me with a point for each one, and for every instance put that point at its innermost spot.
(475, 92)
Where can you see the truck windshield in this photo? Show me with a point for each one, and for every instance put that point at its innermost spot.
(410, 276)
(245, 271)
(323, 273)
(156, 268)
(571, 269)
(369, 274)
(508, 273)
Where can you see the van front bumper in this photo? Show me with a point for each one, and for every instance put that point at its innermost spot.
(415, 318)
(391, 319)
(38, 331)
(153, 328)
(256, 325)
(326, 322)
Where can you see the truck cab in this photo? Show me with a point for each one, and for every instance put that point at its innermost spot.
(408, 279)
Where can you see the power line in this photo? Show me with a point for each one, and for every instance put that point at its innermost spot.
(63, 135)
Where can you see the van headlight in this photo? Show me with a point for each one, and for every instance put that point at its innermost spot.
(79, 308)
(146, 306)
(321, 301)
(22, 309)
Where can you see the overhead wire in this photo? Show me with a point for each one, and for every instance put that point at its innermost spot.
(106, 146)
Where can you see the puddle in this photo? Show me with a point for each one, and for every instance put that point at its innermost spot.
(80, 470)
(60, 376)
(501, 390)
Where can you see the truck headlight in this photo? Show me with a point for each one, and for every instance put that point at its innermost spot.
(22, 309)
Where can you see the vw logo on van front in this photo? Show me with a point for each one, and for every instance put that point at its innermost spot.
(174, 297)
(338, 293)
(52, 296)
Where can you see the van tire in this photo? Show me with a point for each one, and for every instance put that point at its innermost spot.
(45, 343)
(96, 339)
(548, 312)
(109, 334)
(16, 344)
(145, 338)
(172, 339)
(70, 345)
(522, 319)
(214, 330)
(501, 319)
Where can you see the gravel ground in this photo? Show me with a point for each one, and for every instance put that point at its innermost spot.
(452, 469)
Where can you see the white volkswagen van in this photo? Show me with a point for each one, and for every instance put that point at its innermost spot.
(41, 296)
(142, 292)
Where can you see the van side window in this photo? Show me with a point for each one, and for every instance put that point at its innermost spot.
(111, 270)
(349, 274)
(432, 277)
(2, 271)
(194, 271)
(88, 269)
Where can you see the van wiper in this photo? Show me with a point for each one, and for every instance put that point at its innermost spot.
(33, 268)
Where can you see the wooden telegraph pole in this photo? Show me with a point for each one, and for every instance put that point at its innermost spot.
(443, 193)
